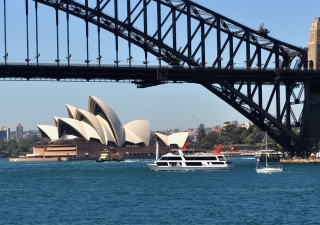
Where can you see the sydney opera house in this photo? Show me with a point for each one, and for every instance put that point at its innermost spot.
(85, 133)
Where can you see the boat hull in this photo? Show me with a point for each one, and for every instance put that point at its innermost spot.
(110, 160)
(270, 170)
(155, 167)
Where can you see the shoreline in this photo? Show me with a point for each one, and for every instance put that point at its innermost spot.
(307, 160)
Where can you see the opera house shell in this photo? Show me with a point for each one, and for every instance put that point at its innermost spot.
(85, 133)
(175, 140)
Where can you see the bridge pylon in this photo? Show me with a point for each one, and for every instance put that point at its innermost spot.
(312, 105)
(314, 45)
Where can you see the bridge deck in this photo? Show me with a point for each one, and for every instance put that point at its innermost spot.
(136, 74)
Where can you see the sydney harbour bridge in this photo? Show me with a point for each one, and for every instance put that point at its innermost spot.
(190, 43)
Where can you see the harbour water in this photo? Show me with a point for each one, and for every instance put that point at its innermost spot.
(86, 192)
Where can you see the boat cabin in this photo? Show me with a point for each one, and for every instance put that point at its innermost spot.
(272, 155)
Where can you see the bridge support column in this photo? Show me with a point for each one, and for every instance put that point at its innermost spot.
(312, 116)
(313, 121)
(287, 110)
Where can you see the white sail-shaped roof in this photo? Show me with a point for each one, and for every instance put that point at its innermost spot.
(163, 138)
(50, 131)
(140, 128)
(91, 132)
(107, 130)
(99, 107)
(71, 111)
(178, 138)
(94, 122)
(75, 124)
(174, 139)
(56, 120)
(133, 138)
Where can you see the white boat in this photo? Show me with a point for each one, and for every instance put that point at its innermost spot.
(186, 160)
(271, 167)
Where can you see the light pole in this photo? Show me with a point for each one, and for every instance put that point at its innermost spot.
(160, 58)
(129, 60)
(116, 62)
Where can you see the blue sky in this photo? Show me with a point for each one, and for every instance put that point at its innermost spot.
(167, 106)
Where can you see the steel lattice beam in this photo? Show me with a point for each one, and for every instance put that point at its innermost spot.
(255, 113)
(204, 17)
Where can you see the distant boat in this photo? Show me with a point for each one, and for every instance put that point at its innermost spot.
(275, 155)
(268, 167)
(108, 156)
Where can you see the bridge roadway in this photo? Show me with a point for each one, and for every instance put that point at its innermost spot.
(151, 75)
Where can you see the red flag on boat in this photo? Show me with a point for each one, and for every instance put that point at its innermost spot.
(218, 149)
(186, 145)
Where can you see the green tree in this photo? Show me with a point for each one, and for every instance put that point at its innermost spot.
(201, 133)
(227, 134)
(192, 145)
(25, 145)
(12, 144)
(3, 146)
(15, 152)
(253, 135)
(152, 139)
(12, 148)
(209, 141)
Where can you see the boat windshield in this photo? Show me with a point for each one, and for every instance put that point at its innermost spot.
(221, 158)
(174, 152)
(194, 152)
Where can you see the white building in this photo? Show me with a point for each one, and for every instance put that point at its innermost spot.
(19, 132)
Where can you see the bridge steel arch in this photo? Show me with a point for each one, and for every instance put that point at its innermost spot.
(230, 36)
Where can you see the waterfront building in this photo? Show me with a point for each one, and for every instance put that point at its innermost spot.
(19, 132)
(30, 135)
(87, 132)
(3, 133)
(235, 122)
(207, 130)
(216, 127)
(8, 134)
(193, 135)
(314, 45)
(175, 130)
(225, 124)
(246, 125)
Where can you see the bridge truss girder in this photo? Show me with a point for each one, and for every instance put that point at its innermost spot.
(258, 114)
(205, 22)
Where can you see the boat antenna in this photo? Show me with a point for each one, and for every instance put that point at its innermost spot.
(196, 120)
